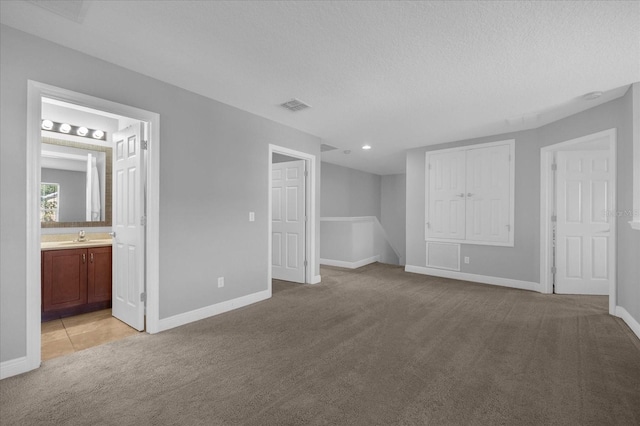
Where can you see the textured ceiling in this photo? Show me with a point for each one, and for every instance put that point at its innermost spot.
(395, 75)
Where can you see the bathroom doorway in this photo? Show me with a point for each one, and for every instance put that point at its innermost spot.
(292, 216)
(83, 265)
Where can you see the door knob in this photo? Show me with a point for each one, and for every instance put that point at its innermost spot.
(469, 194)
(460, 195)
(113, 234)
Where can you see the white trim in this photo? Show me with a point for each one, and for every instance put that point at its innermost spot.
(13, 367)
(350, 265)
(35, 92)
(310, 230)
(212, 310)
(633, 324)
(483, 279)
(348, 219)
(512, 192)
(316, 280)
(635, 114)
(547, 203)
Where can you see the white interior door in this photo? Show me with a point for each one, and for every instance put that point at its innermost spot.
(128, 244)
(584, 258)
(488, 191)
(288, 221)
(446, 196)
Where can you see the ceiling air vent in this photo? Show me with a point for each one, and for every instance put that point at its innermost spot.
(324, 147)
(295, 105)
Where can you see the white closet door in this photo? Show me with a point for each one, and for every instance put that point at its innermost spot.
(583, 258)
(488, 194)
(446, 196)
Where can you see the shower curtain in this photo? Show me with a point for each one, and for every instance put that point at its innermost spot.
(93, 190)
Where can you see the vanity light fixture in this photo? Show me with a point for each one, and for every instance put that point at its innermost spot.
(66, 128)
(366, 147)
(47, 124)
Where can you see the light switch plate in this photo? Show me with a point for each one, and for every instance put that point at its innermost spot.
(252, 216)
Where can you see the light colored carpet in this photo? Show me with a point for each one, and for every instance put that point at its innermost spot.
(374, 346)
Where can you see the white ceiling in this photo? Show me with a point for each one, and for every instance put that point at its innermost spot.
(396, 75)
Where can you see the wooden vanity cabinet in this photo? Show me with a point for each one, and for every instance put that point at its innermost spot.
(75, 281)
(99, 275)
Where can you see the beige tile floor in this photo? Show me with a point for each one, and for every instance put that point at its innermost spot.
(72, 334)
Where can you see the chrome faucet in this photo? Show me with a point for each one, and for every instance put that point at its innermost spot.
(81, 235)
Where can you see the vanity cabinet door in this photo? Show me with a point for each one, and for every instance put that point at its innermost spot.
(99, 270)
(64, 279)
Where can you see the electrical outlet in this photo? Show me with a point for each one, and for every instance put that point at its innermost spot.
(252, 216)
(466, 259)
(220, 282)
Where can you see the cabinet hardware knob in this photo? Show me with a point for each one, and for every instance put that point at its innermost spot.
(91, 258)
(84, 258)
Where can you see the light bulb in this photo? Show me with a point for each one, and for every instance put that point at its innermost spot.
(47, 124)
(82, 131)
(65, 128)
(98, 134)
(367, 146)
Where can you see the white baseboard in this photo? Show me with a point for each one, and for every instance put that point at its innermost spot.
(350, 265)
(464, 276)
(633, 324)
(209, 311)
(316, 279)
(13, 367)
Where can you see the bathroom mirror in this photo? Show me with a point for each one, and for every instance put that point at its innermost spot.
(75, 184)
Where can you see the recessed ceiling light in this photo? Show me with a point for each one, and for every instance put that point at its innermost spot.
(47, 124)
(82, 131)
(367, 146)
(65, 128)
(592, 95)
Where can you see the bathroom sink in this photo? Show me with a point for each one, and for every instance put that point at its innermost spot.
(52, 245)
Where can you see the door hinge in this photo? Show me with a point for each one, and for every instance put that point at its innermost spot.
(143, 297)
(144, 144)
(143, 221)
(306, 173)
(306, 218)
(554, 167)
(428, 225)
(554, 218)
(508, 228)
(429, 166)
(305, 263)
(554, 270)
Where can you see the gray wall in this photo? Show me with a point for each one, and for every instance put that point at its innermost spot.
(522, 261)
(393, 207)
(214, 165)
(281, 158)
(347, 192)
(72, 205)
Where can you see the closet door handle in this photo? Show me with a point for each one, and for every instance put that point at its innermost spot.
(84, 258)
(91, 258)
(469, 194)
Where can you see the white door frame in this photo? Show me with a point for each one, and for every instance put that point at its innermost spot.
(35, 92)
(547, 194)
(310, 205)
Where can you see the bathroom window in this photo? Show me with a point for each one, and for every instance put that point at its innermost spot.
(49, 202)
